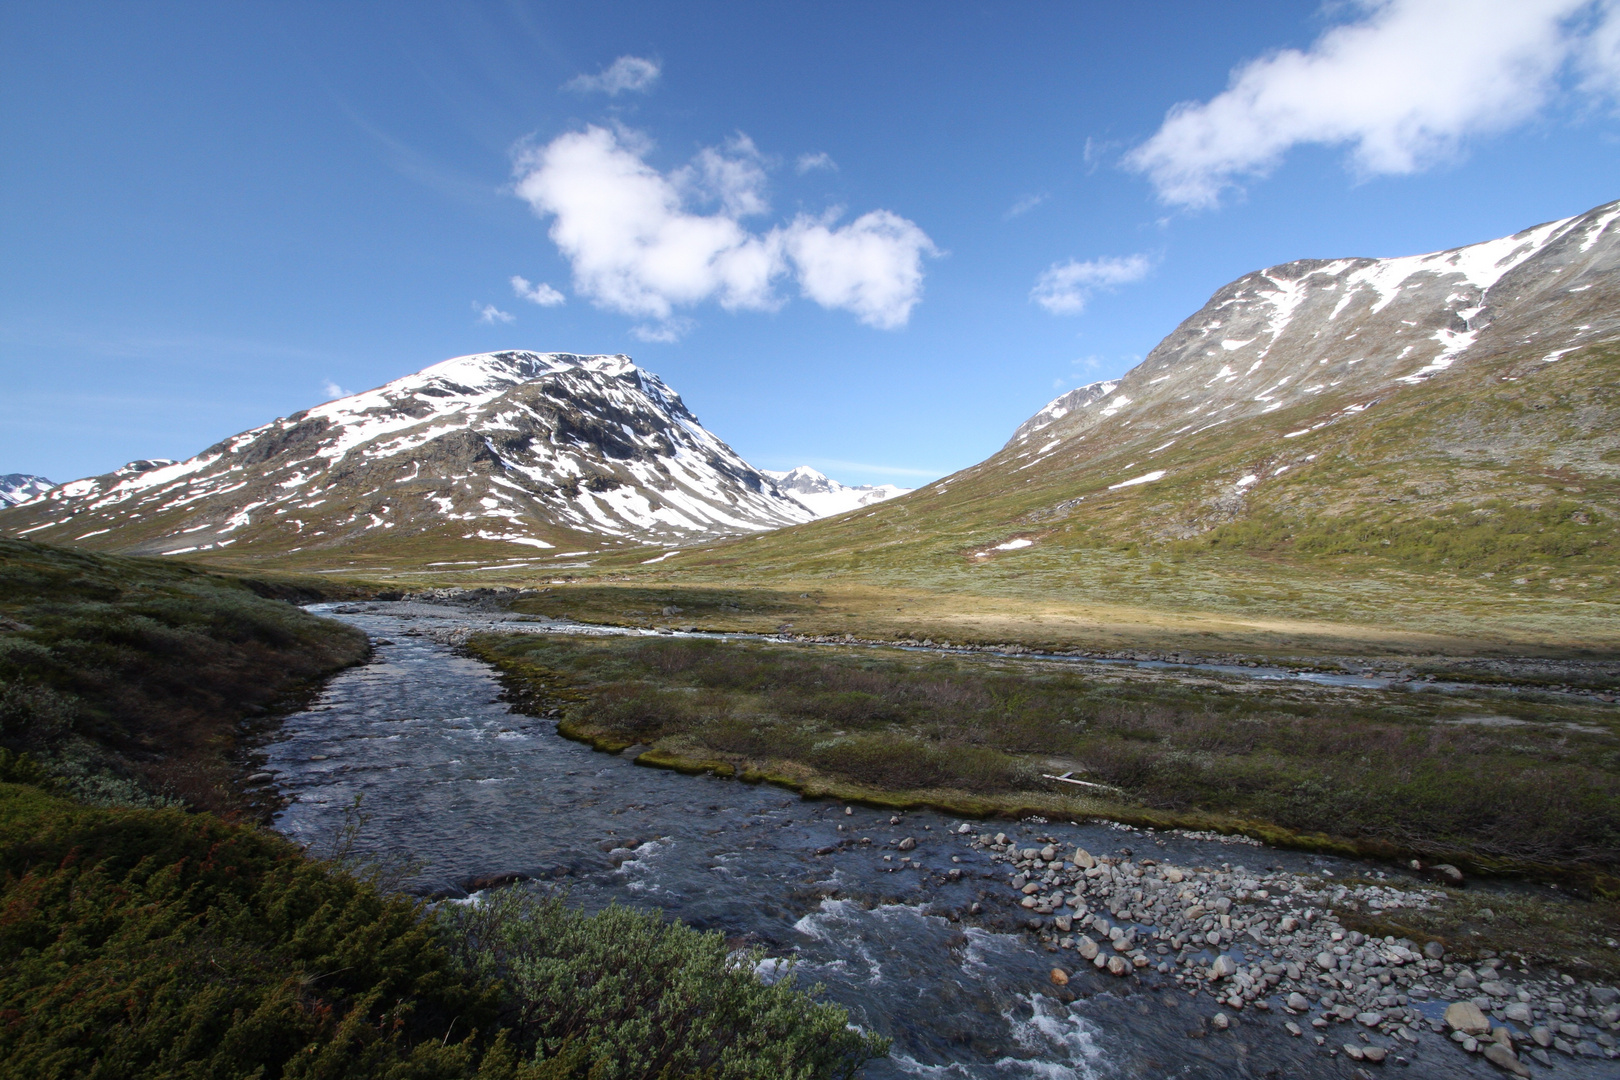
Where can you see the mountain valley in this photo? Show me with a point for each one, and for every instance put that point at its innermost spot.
(1416, 453)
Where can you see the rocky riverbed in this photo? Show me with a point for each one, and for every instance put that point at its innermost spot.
(1270, 943)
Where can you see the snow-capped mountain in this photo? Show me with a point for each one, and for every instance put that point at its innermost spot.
(1345, 334)
(540, 450)
(825, 496)
(21, 487)
(1457, 407)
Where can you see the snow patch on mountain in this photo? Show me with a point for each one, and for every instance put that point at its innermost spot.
(1335, 335)
(18, 488)
(824, 496)
(504, 447)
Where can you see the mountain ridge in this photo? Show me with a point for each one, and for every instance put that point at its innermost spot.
(544, 451)
(1314, 433)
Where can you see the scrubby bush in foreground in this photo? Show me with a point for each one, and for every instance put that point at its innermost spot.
(155, 943)
(647, 998)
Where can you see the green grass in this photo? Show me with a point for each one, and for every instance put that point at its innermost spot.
(1535, 790)
(135, 681)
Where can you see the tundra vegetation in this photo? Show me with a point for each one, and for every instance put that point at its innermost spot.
(1494, 781)
(145, 936)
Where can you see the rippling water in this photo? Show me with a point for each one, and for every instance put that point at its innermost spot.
(462, 787)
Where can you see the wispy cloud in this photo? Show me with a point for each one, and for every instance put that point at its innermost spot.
(1063, 288)
(1025, 204)
(669, 330)
(489, 313)
(1402, 86)
(641, 244)
(627, 73)
(332, 390)
(541, 294)
(819, 160)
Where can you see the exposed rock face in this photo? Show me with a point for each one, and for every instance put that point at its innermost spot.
(21, 487)
(1081, 397)
(1350, 332)
(825, 496)
(532, 449)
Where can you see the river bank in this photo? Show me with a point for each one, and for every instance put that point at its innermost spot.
(945, 963)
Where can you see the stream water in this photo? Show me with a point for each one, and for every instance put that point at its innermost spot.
(461, 786)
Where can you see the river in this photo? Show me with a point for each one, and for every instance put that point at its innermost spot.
(461, 787)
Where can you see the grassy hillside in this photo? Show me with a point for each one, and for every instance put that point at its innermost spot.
(135, 681)
(1479, 511)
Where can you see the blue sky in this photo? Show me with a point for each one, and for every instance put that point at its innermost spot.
(871, 238)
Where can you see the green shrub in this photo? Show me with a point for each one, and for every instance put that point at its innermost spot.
(646, 998)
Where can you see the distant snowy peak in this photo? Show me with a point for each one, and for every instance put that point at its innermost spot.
(18, 488)
(524, 448)
(1340, 334)
(825, 496)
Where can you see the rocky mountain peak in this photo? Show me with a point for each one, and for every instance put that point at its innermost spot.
(18, 488)
(538, 450)
(1339, 335)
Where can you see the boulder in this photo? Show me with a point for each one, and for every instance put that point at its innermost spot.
(1087, 947)
(1059, 977)
(1503, 1057)
(1223, 967)
(1298, 1002)
(1083, 859)
(1434, 950)
(1465, 1017)
(1117, 966)
(908, 843)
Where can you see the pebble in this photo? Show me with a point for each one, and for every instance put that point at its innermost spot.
(1260, 940)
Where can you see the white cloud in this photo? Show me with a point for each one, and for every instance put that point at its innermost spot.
(639, 244)
(1064, 287)
(489, 313)
(333, 391)
(541, 294)
(872, 266)
(625, 73)
(1026, 203)
(819, 160)
(1402, 86)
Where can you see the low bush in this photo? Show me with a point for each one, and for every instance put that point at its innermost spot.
(644, 998)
